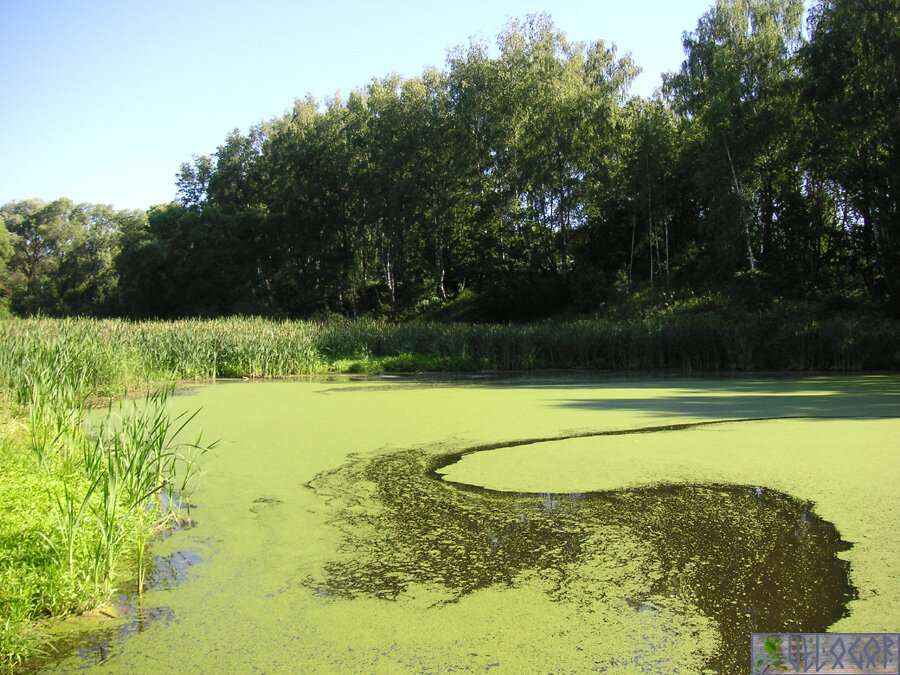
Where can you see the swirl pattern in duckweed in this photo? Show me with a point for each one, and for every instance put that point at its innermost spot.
(743, 557)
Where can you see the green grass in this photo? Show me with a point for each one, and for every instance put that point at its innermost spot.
(701, 340)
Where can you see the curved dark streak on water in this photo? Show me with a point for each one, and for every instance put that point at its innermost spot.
(452, 458)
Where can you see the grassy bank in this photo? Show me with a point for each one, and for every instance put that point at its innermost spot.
(79, 507)
(80, 503)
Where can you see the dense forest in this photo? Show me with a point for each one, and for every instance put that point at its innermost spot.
(518, 185)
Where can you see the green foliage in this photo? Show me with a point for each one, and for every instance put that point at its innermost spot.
(851, 86)
(530, 179)
(737, 93)
(6, 250)
(192, 181)
(772, 658)
(765, 167)
(63, 256)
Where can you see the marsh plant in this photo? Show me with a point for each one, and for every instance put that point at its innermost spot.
(86, 490)
(123, 487)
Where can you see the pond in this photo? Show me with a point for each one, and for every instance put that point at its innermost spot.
(550, 522)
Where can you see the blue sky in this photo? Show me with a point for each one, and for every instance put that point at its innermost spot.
(103, 100)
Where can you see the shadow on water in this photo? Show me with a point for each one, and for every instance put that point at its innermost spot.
(749, 558)
(751, 396)
(712, 396)
(736, 406)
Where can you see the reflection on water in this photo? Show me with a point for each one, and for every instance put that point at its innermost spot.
(749, 558)
(96, 647)
(127, 613)
(169, 570)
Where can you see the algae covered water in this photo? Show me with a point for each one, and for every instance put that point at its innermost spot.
(545, 523)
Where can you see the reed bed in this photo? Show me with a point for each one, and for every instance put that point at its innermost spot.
(109, 355)
(704, 341)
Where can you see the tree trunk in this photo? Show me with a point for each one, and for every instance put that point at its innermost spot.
(650, 216)
(439, 260)
(633, 228)
(888, 251)
(887, 248)
(666, 221)
(389, 282)
(565, 243)
(667, 251)
(740, 195)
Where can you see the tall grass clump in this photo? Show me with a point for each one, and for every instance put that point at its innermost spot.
(83, 507)
(235, 347)
(105, 357)
(112, 354)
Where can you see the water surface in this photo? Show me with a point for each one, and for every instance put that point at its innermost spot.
(483, 524)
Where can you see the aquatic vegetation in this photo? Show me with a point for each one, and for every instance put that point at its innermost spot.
(93, 498)
(618, 551)
(697, 548)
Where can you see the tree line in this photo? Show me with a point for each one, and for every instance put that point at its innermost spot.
(530, 180)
